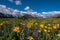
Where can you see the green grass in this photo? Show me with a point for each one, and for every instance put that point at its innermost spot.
(6, 32)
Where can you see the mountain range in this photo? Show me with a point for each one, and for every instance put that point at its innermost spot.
(6, 12)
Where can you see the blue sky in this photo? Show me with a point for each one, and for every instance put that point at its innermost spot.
(35, 5)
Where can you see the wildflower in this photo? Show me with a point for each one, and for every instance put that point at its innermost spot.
(1, 24)
(39, 30)
(45, 30)
(36, 23)
(30, 38)
(35, 34)
(49, 31)
(58, 35)
(49, 27)
(54, 27)
(29, 24)
(42, 25)
(57, 25)
(23, 24)
(49, 24)
(16, 29)
(46, 27)
(5, 30)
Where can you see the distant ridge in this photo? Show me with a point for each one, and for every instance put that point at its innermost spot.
(6, 12)
(5, 16)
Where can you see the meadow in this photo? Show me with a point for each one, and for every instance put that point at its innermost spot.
(29, 29)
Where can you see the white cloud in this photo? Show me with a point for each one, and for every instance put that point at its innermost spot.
(11, 0)
(16, 10)
(50, 14)
(27, 8)
(18, 2)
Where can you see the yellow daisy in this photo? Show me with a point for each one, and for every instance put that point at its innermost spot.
(58, 35)
(41, 25)
(30, 38)
(16, 29)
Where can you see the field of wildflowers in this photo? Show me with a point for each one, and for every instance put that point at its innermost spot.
(29, 29)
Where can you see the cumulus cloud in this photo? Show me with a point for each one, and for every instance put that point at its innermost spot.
(18, 2)
(27, 8)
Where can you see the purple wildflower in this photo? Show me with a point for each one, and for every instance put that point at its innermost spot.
(5, 29)
(35, 34)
